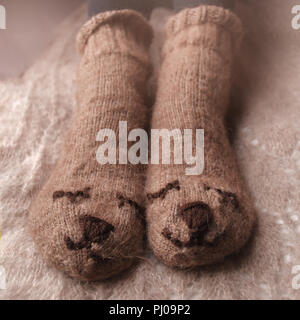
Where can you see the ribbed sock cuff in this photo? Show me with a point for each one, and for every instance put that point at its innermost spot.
(98, 6)
(182, 4)
(214, 24)
(116, 31)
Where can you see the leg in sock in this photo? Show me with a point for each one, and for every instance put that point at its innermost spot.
(88, 219)
(198, 220)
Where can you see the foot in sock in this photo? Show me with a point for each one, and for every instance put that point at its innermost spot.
(198, 220)
(88, 220)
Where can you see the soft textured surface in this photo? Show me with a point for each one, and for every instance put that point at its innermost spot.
(35, 112)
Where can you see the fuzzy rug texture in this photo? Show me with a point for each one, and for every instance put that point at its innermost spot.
(35, 111)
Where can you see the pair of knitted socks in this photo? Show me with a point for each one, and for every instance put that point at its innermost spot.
(91, 220)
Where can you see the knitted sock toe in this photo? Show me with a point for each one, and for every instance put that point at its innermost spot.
(88, 219)
(198, 220)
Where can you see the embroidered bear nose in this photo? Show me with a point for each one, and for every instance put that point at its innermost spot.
(94, 230)
(197, 216)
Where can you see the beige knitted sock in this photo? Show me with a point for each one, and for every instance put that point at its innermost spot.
(88, 219)
(198, 220)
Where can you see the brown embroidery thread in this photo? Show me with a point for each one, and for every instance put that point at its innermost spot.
(163, 192)
(198, 218)
(94, 230)
(139, 209)
(72, 196)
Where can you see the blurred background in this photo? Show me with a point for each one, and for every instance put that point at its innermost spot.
(30, 25)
